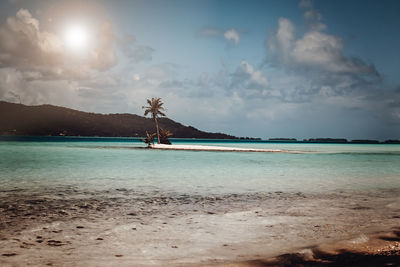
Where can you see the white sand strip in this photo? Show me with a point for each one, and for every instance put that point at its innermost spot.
(215, 148)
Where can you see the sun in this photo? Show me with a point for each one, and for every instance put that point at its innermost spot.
(76, 37)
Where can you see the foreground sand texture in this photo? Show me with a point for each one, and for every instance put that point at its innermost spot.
(378, 249)
(67, 226)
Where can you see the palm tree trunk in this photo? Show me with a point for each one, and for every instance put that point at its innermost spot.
(158, 131)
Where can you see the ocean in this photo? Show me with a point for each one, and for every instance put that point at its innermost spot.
(73, 201)
(110, 163)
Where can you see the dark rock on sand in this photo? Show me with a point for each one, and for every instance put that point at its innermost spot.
(8, 254)
(55, 243)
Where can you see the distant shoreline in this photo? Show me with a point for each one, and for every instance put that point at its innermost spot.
(39, 138)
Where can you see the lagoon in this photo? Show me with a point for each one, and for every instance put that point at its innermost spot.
(96, 201)
(99, 163)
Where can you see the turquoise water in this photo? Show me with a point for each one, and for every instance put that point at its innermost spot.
(102, 164)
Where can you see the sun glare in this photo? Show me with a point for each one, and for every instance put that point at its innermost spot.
(76, 37)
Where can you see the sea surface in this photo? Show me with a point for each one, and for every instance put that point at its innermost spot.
(113, 163)
(73, 201)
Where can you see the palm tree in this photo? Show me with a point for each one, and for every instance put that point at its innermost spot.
(155, 107)
(149, 140)
(164, 136)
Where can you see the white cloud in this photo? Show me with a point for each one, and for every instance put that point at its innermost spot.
(256, 77)
(17, 86)
(24, 46)
(285, 37)
(319, 49)
(306, 3)
(248, 82)
(314, 50)
(314, 18)
(313, 14)
(232, 35)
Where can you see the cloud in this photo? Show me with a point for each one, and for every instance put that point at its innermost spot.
(314, 49)
(134, 51)
(318, 49)
(311, 71)
(314, 65)
(247, 77)
(306, 3)
(103, 55)
(310, 86)
(24, 46)
(280, 45)
(312, 16)
(141, 53)
(230, 36)
(17, 86)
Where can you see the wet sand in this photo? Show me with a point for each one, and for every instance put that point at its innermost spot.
(377, 249)
(68, 226)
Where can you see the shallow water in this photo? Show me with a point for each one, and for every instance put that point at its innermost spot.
(109, 201)
(100, 164)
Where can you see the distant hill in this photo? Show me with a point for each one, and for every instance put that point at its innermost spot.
(44, 120)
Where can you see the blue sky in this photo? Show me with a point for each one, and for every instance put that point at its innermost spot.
(266, 69)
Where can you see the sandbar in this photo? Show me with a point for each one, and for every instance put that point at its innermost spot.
(215, 148)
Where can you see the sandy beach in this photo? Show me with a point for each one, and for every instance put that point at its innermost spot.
(72, 227)
(376, 249)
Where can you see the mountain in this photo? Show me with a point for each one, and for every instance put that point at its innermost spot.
(18, 119)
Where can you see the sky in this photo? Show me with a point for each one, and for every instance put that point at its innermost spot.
(294, 69)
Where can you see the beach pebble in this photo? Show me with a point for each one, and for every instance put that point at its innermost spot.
(9, 254)
(55, 243)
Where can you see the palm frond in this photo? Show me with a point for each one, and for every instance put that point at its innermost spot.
(164, 134)
(149, 138)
